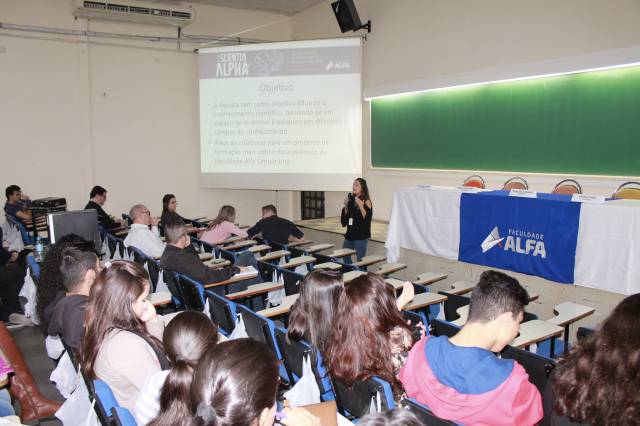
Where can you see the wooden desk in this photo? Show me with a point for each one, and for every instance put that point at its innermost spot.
(351, 275)
(536, 331)
(299, 243)
(241, 244)
(461, 287)
(390, 268)
(259, 248)
(342, 252)
(159, 299)
(395, 283)
(193, 229)
(282, 309)
(370, 260)
(217, 263)
(274, 255)
(328, 265)
(318, 247)
(422, 300)
(120, 233)
(233, 239)
(297, 261)
(566, 314)
(254, 290)
(430, 278)
(205, 256)
(234, 279)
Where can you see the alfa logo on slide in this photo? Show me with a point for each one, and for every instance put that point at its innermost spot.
(492, 240)
(517, 241)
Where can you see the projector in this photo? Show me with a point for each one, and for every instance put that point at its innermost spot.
(48, 203)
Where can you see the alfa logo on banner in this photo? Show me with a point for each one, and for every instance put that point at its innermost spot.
(533, 236)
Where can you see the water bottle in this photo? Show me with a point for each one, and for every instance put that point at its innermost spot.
(39, 250)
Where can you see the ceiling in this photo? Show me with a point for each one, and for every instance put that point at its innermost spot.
(284, 7)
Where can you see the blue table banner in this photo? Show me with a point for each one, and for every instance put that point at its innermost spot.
(536, 236)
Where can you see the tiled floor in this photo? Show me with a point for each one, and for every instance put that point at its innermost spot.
(31, 342)
(332, 224)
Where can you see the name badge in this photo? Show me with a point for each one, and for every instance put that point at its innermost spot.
(591, 199)
(525, 193)
(350, 221)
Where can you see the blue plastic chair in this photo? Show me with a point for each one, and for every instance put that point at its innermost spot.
(33, 266)
(223, 312)
(423, 413)
(27, 239)
(105, 401)
(355, 401)
(123, 417)
(192, 293)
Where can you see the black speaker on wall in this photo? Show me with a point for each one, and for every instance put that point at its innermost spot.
(347, 16)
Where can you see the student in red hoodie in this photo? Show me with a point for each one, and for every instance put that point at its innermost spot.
(460, 378)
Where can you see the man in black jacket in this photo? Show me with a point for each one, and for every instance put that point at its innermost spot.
(179, 256)
(79, 269)
(98, 196)
(275, 228)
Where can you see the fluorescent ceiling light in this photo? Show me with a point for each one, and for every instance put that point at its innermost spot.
(505, 80)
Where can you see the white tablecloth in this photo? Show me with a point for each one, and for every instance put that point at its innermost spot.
(607, 251)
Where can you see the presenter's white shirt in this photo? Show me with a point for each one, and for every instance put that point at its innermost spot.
(145, 239)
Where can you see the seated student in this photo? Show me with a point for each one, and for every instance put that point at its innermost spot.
(169, 206)
(120, 343)
(17, 204)
(165, 398)
(78, 269)
(98, 196)
(397, 417)
(222, 227)
(274, 228)
(50, 289)
(370, 337)
(460, 378)
(312, 315)
(597, 383)
(140, 236)
(11, 281)
(179, 256)
(236, 384)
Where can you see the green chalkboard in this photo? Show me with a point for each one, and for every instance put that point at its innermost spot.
(587, 123)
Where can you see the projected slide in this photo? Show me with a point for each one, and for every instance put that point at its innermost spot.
(283, 116)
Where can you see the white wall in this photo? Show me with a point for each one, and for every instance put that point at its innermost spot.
(122, 114)
(421, 39)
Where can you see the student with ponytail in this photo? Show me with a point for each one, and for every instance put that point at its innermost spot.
(165, 399)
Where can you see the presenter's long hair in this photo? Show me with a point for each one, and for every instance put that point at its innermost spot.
(597, 383)
(362, 341)
(187, 337)
(166, 200)
(365, 189)
(313, 314)
(226, 214)
(233, 383)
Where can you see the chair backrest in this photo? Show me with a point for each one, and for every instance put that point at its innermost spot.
(209, 248)
(528, 316)
(415, 317)
(423, 413)
(278, 246)
(567, 187)
(443, 328)
(356, 401)
(628, 191)
(192, 293)
(123, 417)
(154, 271)
(105, 401)
(138, 256)
(293, 353)
(452, 304)
(128, 218)
(223, 312)
(291, 281)
(297, 252)
(228, 255)
(34, 266)
(266, 270)
(515, 182)
(584, 332)
(475, 181)
(537, 366)
(171, 280)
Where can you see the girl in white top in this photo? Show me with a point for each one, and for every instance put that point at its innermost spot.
(165, 397)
